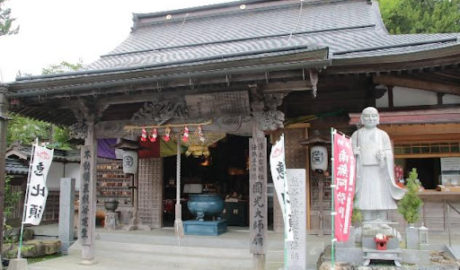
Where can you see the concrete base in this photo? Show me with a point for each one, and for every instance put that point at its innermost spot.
(196, 227)
(88, 262)
(18, 264)
(356, 255)
(136, 227)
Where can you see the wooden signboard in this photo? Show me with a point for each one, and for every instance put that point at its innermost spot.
(258, 195)
(297, 249)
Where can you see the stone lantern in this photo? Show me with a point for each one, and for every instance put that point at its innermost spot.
(130, 164)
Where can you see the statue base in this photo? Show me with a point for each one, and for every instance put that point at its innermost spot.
(197, 227)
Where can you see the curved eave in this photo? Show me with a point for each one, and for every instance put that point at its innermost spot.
(75, 82)
(448, 55)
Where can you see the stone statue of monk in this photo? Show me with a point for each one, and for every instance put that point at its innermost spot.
(376, 190)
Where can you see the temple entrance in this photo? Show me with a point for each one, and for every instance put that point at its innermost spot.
(224, 172)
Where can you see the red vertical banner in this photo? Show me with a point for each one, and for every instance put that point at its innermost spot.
(344, 181)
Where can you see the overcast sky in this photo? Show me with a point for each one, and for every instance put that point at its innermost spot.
(52, 31)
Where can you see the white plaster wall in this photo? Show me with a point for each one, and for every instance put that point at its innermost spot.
(451, 99)
(59, 170)
(54, 175)
(403, 96)
(382, 102)
(72, 170)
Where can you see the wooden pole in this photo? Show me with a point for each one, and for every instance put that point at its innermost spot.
(3, 127)
(87, 196)
(178, 225)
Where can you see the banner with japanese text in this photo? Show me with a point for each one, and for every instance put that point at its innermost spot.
(344, 181)
(278, 170)
(37, 191)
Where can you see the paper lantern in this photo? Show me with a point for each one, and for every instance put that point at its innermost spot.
(167, 135)
(144, 135)
(130, 161)
(185, 135)
(153, 135)
(318, 158)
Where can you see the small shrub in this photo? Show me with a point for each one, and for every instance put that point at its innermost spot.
(410, 204)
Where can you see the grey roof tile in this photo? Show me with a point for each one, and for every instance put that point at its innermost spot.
(15, 166)
(348, 28)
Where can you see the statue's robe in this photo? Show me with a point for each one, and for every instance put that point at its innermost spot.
(375, 186)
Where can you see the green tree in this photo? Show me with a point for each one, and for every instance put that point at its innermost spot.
(25, 130)
(410, 204)
(11, 198)
(421, 16)
(6, 22)
(62, 67)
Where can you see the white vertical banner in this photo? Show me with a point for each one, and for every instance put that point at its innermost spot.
(278, 170)
(37, 192)
(297, 249)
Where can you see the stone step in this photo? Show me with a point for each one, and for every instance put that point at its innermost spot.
(171, 257)
(231, 253)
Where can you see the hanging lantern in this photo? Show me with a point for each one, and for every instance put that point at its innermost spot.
(185, 135)
(130, 161)
(144, 135)
(167, 135)
(318, 158)
(153, 135)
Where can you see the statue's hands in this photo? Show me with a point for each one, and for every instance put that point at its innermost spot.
(357, 150)
(380, 156)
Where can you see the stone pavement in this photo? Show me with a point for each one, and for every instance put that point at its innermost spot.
(159, 249)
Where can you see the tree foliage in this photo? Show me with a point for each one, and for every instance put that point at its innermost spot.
(62, 67)
(410, 204)
(11, 198)
(6, 22)
(24, 130)
(421, 16)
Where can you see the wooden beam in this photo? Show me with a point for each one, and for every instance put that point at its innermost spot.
(390, 97)
(406, 81)
(419, 129)
(425, 138)
(289, 86)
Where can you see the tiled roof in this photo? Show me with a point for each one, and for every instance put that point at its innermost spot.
(59, 155)
(15, 166)
(350, 29)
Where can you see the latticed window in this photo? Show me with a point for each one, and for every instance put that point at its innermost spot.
(444, 149)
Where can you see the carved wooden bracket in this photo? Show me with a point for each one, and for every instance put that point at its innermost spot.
(85, 111)
(264, 109)
(314, 81)
(160, 112)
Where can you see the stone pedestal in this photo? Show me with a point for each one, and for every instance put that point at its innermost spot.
(205, 227)
(382, 255)
(66, 213)
(412, 237)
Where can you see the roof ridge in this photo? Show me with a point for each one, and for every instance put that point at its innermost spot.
(221, 9)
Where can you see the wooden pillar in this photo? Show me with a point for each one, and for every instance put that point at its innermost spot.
(296, 158)
(87, 194)
(258, 197)
(3, 127)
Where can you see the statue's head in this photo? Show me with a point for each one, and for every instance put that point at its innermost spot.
(370, 117)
